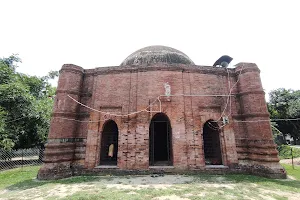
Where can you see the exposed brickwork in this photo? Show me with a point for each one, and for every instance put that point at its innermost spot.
(246, 147)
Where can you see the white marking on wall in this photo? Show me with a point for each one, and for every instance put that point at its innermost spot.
(167, 89)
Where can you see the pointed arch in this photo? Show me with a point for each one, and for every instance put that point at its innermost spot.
(160, 140)
(109, 143)
(211, 142)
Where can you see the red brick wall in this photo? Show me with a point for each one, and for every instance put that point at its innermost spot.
(133, 90)
(127, 89)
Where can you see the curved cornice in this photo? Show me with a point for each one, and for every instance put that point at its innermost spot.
(161, 67)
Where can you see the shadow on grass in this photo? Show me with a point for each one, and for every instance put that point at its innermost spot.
(239, 178)
(29, 183)
(32, 183)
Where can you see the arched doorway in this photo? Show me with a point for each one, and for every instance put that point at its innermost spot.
(109, 144)
(211, 140)
(160, 140)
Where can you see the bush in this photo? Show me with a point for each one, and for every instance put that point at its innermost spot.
(285, 152)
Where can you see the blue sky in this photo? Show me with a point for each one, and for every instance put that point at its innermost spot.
(47, 34)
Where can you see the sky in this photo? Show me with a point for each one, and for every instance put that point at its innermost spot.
(48, 34)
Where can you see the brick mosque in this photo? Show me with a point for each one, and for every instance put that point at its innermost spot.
(159, 112)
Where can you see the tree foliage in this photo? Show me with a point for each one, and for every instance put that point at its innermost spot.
(285, 104)
(25, 106)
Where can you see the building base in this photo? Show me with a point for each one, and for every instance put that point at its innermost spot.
(64, 171)
(54, 171)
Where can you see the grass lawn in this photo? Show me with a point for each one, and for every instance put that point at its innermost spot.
(292, 172)
(21, 184)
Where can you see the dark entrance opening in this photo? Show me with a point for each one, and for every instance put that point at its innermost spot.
(109, 144)
(211, 139)
(160, 151)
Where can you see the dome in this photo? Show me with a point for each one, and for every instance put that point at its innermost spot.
(157, 54)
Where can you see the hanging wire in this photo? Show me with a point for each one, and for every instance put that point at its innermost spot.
(210, 125)
(228, 102)
(228, 98)
(230, 93)
(76, 120)
(266, 120)
(144, 110)
(158, 99)
(107, 113)
(277, 129)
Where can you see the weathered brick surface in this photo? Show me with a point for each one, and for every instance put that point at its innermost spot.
(126, 89)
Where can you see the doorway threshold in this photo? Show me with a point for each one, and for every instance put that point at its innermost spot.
(216, 167)
(107, 167)
(161, 167)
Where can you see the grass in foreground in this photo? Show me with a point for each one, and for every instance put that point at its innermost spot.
(292, 172)
(16, 182)
(25, 178)
(17, 175)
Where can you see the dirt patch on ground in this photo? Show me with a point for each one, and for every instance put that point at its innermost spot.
(289, 161)
(57, 191)
(64, 190)
(171, 197)
(288, 195)
(142, 182)
(167, 187)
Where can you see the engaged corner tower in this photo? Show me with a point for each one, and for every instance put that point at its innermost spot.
(61, 143)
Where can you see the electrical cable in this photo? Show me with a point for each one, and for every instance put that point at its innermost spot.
(144, 110)
(210, 125)
(230, 92)
(238, 79)
(106, 113)
(228, 101)
(277, 129)
(228, 97)
(266, 120)
(76, 120)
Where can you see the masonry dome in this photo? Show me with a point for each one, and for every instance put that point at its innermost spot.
(157, 54)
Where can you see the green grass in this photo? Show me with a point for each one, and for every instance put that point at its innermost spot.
(20, 181)
(293, 172)
(18, 175)
(25, 178)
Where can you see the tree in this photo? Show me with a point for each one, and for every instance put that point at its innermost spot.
(285, 104)
(25, 106)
